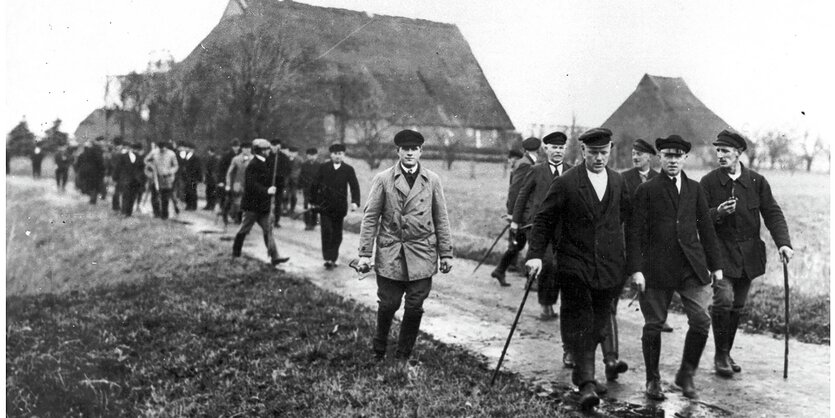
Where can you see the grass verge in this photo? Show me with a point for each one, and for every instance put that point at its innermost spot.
(179, 330)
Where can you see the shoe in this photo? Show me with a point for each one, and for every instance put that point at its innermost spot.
(278, 260)
(379, 356)
(547, 313)
(334, 263)
(684, 379)
(500, 277)
(554, 314)
(654, 391)
(588, 397)
(328, 264)
(568, 360)
(615, 367)
(666, 328)
(600, 388)
(735, 367)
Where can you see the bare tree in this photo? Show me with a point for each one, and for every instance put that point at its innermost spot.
(358, 106)
(753, 152)
(810, 149)
(778, 148)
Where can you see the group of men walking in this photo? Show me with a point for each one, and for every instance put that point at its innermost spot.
(591, 228)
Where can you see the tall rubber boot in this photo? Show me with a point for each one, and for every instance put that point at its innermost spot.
(609, 347)
(651, 346)
(238, 245)
(721, 361)
(409, 328)
(733, 324)
(380, 342)
(694, 345)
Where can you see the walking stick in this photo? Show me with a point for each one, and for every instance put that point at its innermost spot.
(786, 330)
(512, 329)
(272, 198)
(486, 254)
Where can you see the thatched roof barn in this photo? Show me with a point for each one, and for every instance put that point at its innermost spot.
(425, 71)
(110, 123)
(661, 106)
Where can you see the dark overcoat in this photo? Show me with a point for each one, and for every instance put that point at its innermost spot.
(129, 174)
(257, 179)
(591, 230)
(633, 179)
(739, 232)
(533, 192)
(671, 232)
(331, 189)
(517, 179)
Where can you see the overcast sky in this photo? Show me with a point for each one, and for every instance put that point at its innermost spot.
(758, 65)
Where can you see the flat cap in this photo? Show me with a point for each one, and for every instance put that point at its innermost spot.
(731, 139)
(531, 144)
(555, 138)
(643, 146)
(408, 138)
(260, 143)
(514, 153)
(136, 145)
(312, 151)
(596, 137)
(673, 142)
(338, 147)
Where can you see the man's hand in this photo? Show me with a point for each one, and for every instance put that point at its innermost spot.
(228, 188)
(364, 264)
(786, 254)
(354, 207)
(514, 226)
(271, 190)
(533, 266)
(716, 276)
(727, 207)
(507, 218)
(639, 281)
(446, 265)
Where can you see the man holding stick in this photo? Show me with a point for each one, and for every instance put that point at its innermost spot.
(258, 194)
(737, 197)
(406, 213)
(585, 207)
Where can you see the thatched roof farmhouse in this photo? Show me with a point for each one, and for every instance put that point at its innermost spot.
(661, 106)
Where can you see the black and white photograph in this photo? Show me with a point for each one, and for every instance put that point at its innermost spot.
(370, 208)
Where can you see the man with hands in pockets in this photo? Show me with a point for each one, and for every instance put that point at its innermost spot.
(406, 213)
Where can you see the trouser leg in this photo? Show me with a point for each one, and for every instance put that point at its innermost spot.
(267, 229)
(327, 236)
(248, 221)
(115, 203)
(584, 311)
(416, 293)
(389, 294)
(654, 304)
(548, 290)
(516, 243)
(164, 198)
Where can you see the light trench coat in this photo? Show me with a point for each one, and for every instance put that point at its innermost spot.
(411, 225)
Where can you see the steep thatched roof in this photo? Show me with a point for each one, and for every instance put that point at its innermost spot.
(661, 106)
(117, 123)
(426, 69)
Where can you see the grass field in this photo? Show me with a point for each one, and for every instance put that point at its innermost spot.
(115, 317)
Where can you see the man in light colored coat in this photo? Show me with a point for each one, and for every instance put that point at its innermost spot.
(406, 213)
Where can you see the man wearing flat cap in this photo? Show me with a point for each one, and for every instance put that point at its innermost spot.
(673, 248)
(517, 179)
(259, 192)
(583, 215)
(406, 213)
(332, 182)
(309, 169)
(738, 197)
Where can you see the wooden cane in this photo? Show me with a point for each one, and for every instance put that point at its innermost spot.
(786, 330)
(513, 328)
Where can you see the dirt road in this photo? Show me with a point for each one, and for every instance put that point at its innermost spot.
(473, 311)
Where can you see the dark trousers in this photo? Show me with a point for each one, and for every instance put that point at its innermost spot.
(331, 236)
(212, 196)
(160, 201)
(36, 169)
(263, 221)
(584, 312)
(155, 201)
(548, 289)
(389, 294)
(292, 197)
(130, 193)
(730, 294)
(516, 242)
(61, 175)
(310, 215)
(115, 203)
(190, 195)
(277, 208)
(695, 298)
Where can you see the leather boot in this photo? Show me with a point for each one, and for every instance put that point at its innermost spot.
(694, 344)
(238, 245)
(651, 346)
(409, 328)
(733, 324)
(384, 320)
(720, 340)
(588, 397)
(609, 347)
(499, 275)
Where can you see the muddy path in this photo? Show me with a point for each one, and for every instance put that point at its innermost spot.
(474, 312)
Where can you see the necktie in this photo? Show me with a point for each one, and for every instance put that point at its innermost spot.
(675, 184)
(643, 177)
(556, 169)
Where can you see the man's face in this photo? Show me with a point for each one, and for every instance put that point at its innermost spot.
(409, 155)
(311, 157)
(246, 151)
(728, 156)
(640, 159)
(672, 161)
(337, 157)
(236, 148)
(596, 157)
(554, 153)
(261, 151)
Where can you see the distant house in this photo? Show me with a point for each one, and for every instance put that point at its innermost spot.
(109, 124)
(659, 107)
(426, 73)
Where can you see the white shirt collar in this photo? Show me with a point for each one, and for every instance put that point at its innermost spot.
(408, 170)
(599, 181)
(261, 157)
(532, 156)
(336, 166)
(678, 180)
